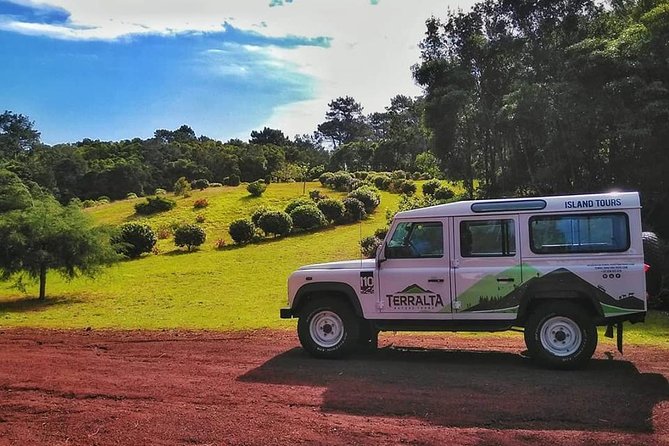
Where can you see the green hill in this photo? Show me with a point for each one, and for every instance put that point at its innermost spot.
(235, 287)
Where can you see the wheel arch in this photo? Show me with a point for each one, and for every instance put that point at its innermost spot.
(338, 290)
(535, 297)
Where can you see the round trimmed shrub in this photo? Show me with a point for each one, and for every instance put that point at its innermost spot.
(134, 239)
(200, 203)
(430, 187)
(200, 183)
(242, 231)
(190, 236)
(381, 233)
(255, 217)
(369, 245)
(234, 180)
(370, 198)
(332, 209)
(381, 182)
(296, 203)
(308, 217)
(316, 195)
(326, 178)
(153, 205)
(275, 222)
(341, 181)
(160, 191)
(256, 188)
(406, 187)
(355, 209)
(443, 193)
(398, 175)
(215, 184)
(88, 203)
(130, 196)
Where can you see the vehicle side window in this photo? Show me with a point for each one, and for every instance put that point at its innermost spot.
(412, 240)
(487, 238)
(585, 233)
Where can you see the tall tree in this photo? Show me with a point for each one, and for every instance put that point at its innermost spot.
(344, 122)
(17, 135)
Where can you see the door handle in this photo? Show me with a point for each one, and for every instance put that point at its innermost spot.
(506, 279)
(435, 280)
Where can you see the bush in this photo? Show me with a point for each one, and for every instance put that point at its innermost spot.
(332, 209)
(190, 236)
(297, 203)
(429, 187)
(275, 222)
(201, 203)
(361, 175)
(370, 198)
(355, 209)
(134, 239)
(381, 182)
(233, 180)
(182, 187)
(308, 217)
(341, 181)
(369, 245)
(326, 179)
(381, 233)
(242, 231)
(406, 187)
(130, 196)
(200, 218)
(215, 184)
(443, 193)
(201, 184)
(415, 176)
(316, 195)
(153, 205)
(256, 188)
(160, 191)
(262, 210)
(398, 175)
(88, 203)
(219, 243)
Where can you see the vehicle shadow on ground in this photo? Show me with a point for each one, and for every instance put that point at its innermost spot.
(475, 389)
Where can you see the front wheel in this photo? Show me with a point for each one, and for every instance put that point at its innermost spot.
(561, 335)
(328, 328)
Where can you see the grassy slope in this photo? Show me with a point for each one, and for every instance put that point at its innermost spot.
(236, 287)
(233, 288)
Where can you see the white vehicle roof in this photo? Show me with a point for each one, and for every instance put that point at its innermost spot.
(534, 205)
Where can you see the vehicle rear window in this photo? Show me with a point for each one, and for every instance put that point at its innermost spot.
(582, 233)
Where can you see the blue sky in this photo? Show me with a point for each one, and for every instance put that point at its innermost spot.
(120, 69)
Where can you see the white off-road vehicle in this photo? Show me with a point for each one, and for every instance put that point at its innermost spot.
(557, 267)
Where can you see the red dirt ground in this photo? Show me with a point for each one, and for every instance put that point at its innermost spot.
(197, 388)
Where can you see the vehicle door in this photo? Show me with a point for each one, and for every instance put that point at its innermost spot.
(414, 275)
(487, 267)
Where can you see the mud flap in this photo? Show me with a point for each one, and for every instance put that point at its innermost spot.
(619, 335)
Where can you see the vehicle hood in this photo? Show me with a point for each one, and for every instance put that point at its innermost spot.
(346, 264)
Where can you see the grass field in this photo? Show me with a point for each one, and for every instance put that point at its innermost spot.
(230, 288)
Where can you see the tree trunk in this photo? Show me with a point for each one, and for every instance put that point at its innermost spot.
(42, 282)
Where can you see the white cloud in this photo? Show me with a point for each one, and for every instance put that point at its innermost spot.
(371, 51)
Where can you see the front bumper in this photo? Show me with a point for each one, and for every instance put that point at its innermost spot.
(286, 313)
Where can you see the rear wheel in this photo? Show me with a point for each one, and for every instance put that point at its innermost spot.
(560, 335)
(328, 328)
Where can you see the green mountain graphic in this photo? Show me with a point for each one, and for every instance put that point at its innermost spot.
(414, 289)
(488, 286)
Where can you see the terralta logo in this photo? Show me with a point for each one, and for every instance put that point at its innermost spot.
(414, 298)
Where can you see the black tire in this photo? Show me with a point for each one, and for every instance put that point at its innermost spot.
(328, 328)
(560, 335)
(652, 256)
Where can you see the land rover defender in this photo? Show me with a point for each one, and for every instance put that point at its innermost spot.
(553, 267)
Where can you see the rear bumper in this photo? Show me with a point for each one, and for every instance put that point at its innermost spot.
(286, 313)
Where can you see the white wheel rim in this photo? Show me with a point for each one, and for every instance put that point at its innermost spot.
(561, 336)
(326, 329)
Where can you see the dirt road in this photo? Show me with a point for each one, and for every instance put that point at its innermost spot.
(105, 387)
